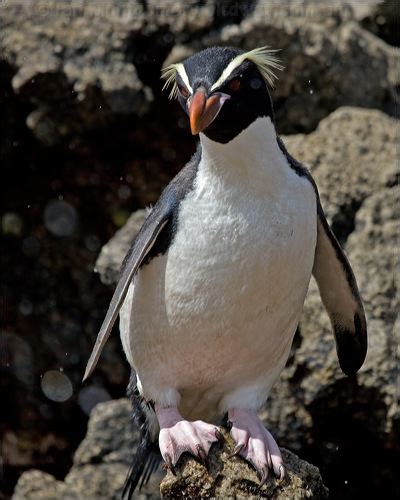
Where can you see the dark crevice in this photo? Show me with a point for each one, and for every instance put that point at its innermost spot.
(148, 52)
(349, 445)
(232, 11)
(343, 222)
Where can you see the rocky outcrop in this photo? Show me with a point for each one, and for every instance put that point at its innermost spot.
(102, 61)
(102, 460)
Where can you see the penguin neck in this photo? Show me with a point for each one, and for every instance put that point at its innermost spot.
(252, 157)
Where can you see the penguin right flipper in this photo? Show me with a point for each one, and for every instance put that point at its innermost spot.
(340, 296)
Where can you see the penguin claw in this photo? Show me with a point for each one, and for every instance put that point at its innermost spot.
(169, 464)
(255, 444)
(263, 476)
(236, 450)
(280, 473)
(218, 435)
(202, 455)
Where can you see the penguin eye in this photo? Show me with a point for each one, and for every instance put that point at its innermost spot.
(234, 85)
(183, 91)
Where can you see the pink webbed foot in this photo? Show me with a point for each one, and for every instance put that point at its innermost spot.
(178, 435)
(255, 443)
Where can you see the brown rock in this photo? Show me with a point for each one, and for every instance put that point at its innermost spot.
(227, 477)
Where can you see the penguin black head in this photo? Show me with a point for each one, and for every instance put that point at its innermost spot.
(223, 89)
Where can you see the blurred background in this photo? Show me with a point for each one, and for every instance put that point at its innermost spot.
(88, 138)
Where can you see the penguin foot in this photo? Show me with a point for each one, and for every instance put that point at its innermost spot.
(255, 443)
(178, 435)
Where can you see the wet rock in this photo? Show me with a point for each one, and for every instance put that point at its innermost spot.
(227, 477)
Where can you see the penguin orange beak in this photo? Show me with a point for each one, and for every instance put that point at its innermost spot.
(203, 111)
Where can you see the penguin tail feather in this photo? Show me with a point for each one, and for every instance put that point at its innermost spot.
(145, 461)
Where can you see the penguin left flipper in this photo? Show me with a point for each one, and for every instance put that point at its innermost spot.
(164, 212)
(340, 296)
(141, 246)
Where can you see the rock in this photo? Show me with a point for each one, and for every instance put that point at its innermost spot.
(227, 477)
(100, 464)
(38, 485)
(103, 458)
(112, 254)
(91, 58)
(343, 155)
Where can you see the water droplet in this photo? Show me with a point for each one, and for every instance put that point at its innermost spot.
(311, 92)
(31, 246)
(255, 83)
(124, 192)
(56, 386)
(60, 218)
(25, 307)
(92, 242)
(11, 224)
(90, 396)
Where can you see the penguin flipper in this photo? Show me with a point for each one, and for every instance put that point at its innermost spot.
(142, 244)
(340, 296)
(163, 213)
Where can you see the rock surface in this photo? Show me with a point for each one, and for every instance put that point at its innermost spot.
(102, 61)
(102, 460)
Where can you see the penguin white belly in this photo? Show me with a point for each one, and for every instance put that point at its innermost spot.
(209, 325)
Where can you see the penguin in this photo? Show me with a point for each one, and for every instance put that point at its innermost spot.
(212, 289)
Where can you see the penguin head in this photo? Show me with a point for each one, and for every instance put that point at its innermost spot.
(223, 89)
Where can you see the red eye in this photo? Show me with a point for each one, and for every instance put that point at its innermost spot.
(183, 91)
(234, 85)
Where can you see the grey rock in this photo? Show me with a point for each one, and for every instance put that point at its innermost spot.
(38, 485)
(352, 153)
(111, 435)
(77, 62)
(81, 65)
(112, 254)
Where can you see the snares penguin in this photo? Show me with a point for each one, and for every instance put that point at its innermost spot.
(212, 289)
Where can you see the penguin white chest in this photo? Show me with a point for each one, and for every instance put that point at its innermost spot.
(218, 311)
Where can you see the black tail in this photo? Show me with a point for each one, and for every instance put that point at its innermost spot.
(145, 462)
(148, 456)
